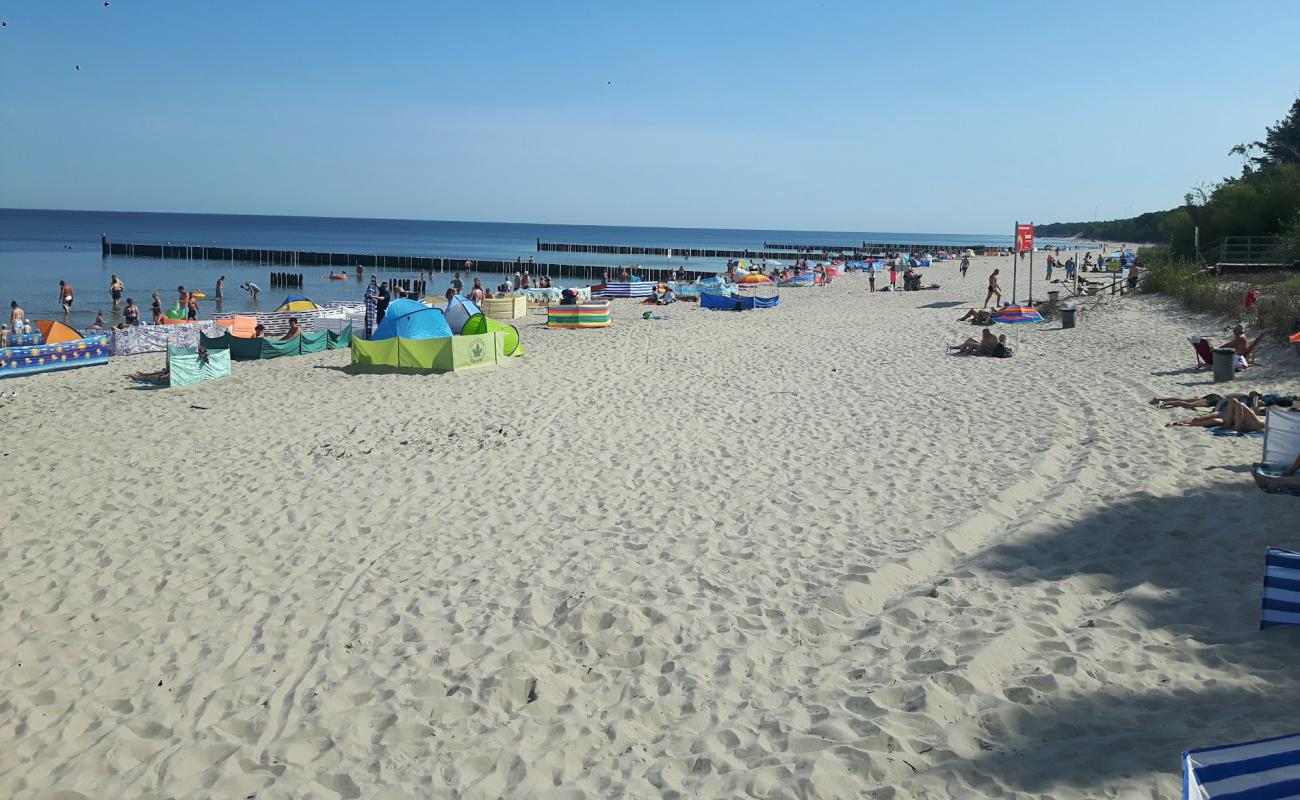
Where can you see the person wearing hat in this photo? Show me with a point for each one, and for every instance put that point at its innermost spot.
(1243, 347)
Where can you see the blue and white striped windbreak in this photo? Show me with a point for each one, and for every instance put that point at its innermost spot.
(1281, 588)
(1268, 769)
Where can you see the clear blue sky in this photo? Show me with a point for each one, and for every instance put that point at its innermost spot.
(840, 115)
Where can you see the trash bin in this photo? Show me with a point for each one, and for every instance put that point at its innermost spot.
(1053, 297)
(1067, 318)
(1225, 364)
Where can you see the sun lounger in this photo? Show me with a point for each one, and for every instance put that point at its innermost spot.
(1281, 604)
(1267, 769)
(1281, 448)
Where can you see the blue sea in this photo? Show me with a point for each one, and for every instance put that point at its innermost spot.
(40, 248)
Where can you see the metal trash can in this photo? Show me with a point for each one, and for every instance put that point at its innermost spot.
(1054, 296)
(1225, 364)
(1067, 318)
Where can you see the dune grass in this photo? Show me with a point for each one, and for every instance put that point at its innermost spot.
(1276, 311)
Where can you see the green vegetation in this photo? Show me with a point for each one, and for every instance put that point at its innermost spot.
(1277, 308)
(1263, 200)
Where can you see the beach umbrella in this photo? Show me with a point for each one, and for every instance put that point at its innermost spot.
(753, 278)
(1013, 315)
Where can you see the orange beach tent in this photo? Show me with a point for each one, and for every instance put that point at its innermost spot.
(55, 332)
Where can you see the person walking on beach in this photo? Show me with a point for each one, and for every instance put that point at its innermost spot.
(65, 297)
(115, 289)
(994, 290)
(965, 265)
(871, 279)
(893, 276)
(1051, 265)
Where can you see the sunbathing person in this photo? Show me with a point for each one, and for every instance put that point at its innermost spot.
(1210, 400)
(1241, 345)
(1232, 415)
(984, 347)
(977, 316)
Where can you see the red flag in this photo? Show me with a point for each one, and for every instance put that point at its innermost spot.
(1024, 238)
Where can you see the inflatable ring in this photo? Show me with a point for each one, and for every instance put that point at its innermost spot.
(198, 295)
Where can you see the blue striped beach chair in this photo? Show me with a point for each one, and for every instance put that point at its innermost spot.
(1281, 604)
(1268, 769)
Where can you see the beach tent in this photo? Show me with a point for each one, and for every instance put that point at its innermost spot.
(411, 319)
(1281, 448)
(1265, 769)
(435, 354)
(185, 367)
(296, 302)
(509, 339)
(1013, 315)
(53, 332)
(459, 310)
(416, 337)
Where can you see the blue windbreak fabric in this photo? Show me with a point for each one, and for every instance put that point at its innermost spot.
(723, 301)
(410, 319)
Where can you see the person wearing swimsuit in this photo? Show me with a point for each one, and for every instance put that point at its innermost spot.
(65, 296)
(131, 314)
(115, 289)
(993, 290)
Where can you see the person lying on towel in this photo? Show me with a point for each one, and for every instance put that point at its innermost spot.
(1231, 415)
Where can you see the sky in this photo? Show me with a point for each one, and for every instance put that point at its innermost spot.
(940, 116)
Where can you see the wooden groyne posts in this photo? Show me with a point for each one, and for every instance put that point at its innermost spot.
(286, 280)
(593, 273)
(770, 251)
(867, 248)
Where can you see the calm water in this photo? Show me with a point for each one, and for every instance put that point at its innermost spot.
(34, 255)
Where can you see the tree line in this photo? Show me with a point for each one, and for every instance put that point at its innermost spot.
(1264, 199)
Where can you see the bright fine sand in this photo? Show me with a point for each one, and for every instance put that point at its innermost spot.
(787, 553)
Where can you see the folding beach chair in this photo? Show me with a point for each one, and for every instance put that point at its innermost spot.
(1281, 448)
(1204, 353)
(1268, 769)
(1281, 604)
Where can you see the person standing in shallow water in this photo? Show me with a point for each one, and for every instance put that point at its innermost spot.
(115, 289)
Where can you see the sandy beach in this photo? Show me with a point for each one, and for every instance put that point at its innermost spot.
(793, 553)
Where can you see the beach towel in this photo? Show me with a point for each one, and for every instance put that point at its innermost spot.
(1225, 432)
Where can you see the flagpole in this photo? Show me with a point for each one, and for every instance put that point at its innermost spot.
(1031, 276)
(1015, 259)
